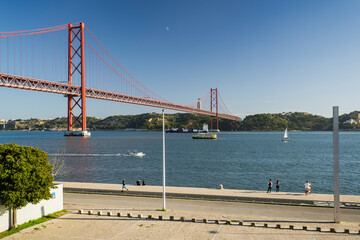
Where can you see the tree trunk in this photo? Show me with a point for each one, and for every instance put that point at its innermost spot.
(14, 218)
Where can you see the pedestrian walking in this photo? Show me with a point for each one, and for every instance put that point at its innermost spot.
(269, 186)
(307, 188)
(124, 186)
(221, 187)
(277, 186)
(143, 183)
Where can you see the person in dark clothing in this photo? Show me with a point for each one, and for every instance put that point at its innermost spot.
(138, 182)
(124, 186)
(277, 185)
(143, 183)
(269, 186)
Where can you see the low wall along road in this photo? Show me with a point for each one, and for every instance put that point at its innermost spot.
(32, 211)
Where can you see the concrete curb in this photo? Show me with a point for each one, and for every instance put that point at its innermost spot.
(226, 222)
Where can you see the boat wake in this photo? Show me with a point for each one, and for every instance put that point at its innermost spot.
(95, 155)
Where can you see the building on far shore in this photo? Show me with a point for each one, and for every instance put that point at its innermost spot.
(353, 121)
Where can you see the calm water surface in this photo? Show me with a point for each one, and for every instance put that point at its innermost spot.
(238, 160)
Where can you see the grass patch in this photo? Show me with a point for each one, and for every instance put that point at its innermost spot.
(162, 210)
(33, 223)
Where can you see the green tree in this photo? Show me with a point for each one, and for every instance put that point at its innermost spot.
(25, 176)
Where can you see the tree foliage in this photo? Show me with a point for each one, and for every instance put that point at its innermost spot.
(278, 122)
(25, 175)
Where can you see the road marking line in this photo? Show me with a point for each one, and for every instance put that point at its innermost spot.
(217, 232)
(115, 237)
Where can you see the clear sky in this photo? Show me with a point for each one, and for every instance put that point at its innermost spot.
(266, 56)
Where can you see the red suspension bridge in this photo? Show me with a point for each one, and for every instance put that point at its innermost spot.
(53, 60)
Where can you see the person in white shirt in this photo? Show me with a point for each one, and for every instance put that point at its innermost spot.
(307, 188)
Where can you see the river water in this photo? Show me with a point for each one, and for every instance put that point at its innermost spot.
(238, 160)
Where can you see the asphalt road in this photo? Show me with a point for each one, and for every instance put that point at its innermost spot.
(247, 211)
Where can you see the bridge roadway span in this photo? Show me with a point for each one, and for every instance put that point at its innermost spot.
(19, 82)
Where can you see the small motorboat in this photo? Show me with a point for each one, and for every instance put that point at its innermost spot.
(286, 138)
(135, 154)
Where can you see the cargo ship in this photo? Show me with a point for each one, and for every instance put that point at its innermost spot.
(191, 130)
(181, 130)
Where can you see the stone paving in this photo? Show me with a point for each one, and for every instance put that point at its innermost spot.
(124, 217)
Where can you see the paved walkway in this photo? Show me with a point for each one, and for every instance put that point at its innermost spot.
(94, 227)
(347, 201)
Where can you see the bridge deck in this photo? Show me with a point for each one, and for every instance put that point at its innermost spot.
(19, 82)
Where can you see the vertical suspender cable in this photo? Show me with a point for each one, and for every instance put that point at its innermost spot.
(14, 68)
(7, 54)
(21, 71)
(0, 53)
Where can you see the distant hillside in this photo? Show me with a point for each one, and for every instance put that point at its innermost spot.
(278, 122)
(149, 121)
(153, 122)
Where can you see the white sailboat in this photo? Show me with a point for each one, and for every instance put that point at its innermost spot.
(286, 138)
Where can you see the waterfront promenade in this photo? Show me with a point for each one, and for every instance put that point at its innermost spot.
(111, 199)
(348, 201)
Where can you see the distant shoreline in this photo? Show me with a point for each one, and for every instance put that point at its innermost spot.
(147, 130)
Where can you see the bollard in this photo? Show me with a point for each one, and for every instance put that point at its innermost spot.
(228, 222)
(119, 214)
(241, 223)
(291, 227)
(252, 224)
(182, 219)
(318, 229)
(266, 225)
(332, 230)
(160, 218)
(204, 220)
(193, 220)
(172, 218)
(139, 215)
(80, 211)
(90, 212)
(346, 231)
(305, 228)
(278, 226)
(217, 221)
(99, 213)
(150, 216)
(129, 215)
(109, 214)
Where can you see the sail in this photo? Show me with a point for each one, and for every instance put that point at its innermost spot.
(285, 134)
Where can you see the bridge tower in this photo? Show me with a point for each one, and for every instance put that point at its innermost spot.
(214, 105)
(76, 68)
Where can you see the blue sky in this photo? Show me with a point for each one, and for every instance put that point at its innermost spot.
(263, 56)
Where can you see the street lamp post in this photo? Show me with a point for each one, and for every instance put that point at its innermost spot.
(336, 164)
(164, 202)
